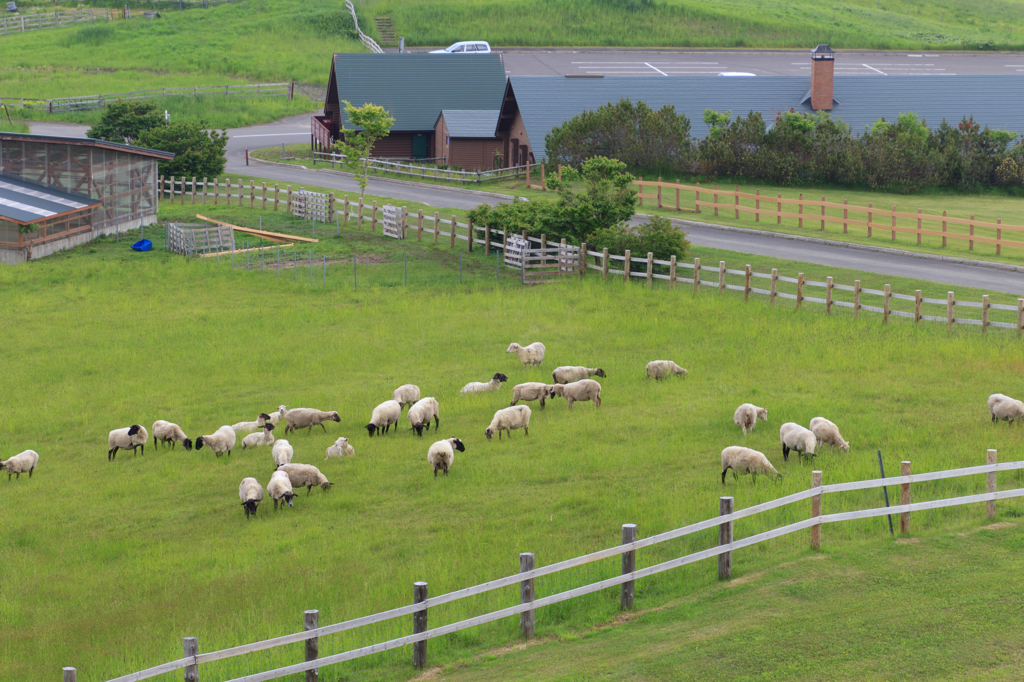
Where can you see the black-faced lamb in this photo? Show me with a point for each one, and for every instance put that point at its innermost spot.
(20, 463)
(746, 461)
(341, 448)
(129, 438)
(532, 390)
(220, 441)
(746, 416)
(280, 489)
(578, 391)
(422, 412)
(662, 369)
(828, 433)
(307, 418)
(168, 432)
(282, 453)
(406, 394)
(248, 427)
(384, 416)
(1004, 408)
(442, 453)
(509, 418)
(569, 374)
(251, 493)
(480, 387)
(531, 355)
(795, 438)
(306, 476)
(265, 436)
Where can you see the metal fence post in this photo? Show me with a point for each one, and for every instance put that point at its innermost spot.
(628, 566)
(816, 510)
(310, 621)
(191, 647)
(990, 484)
(526, 618)
(419, 624)
(725, 506)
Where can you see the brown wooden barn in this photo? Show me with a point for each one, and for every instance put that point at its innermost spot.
(466, 138)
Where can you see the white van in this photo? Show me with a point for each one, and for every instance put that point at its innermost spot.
(466, 47)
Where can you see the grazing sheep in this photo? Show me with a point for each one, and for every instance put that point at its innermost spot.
(1004, 408)
(384, 415)
(746, 461)
(282, 452)
(422, 412)
(168, 432)
(533, 390)
(509, 418)
(20, 463)
(578, 391)
(221, 441)
(250, 492)
(340, 449)
(260, 438)
(531, 355)
(249, 427)
(307, 476)
(406, 394)
(567, 375)
(661, 369)
(275, 417)
(442, 453)
(307, 418)
(797, 439)
(828, 433)
(280, 489)
(746, 416)
(128, 438)
(479, 387)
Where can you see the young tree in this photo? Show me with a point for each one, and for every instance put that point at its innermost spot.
(198, 152)
(27, 230)
(608, 197)
(125, 120)
(374, 123)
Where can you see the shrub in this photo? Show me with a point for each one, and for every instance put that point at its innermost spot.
(658, 236)
(198, 152)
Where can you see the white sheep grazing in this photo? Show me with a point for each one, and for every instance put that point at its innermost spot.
(249, 427)
(384, 416)
(797, 439)
(280, 489)
(251, 493)
(662, 369)
(746, 416)
(509, 418)
(20, 463)
(442, 453)
(275, 416)
(578, 392)
(340, 448)
(828, 433)
(167, 432)
(746, 461)
(406, 394)
(307, 418)
(569, 374)
(221, 441)
(306, 476)
(422, 412)
(260, 438)
(532, 390)
(1004, 408)
(479, 387)
(531, 355)
(282, 453)
(128, 438)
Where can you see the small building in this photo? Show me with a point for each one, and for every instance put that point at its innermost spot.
(466, 138)
(413, 88)
(75, 188)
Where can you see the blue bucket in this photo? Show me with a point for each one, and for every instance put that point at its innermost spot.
(142, 245)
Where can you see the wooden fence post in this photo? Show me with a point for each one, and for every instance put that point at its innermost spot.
(823, 214)
(774, 286)
(288, 200)
(828, 294)
(1020, 316)
(311, 621)
(800, 212)
(373, 217)
(894, 222)
(528, 172)
(451, 237)
(469, 240)
(725, 538)
(871, 217)
(950, 302)
(757, 207)
(419, 225)
(696, 200)
(721, 276)
(856, 298)
(526, 618)
(160, 188)
(437, 225)
(677, 194)
(716, 199)
(846, 214)
(799, 290)
(543, 248)
(650, 269)
(778, 211)
(918, 226)
(419, 624)
(672, 272)
(736, 203)
(604, 264)
(659, 191)
(984, 313)
(970, 242)
(191, 648)
(696, 275)
(171, 191)
(487, 238)
(990, 484)
(943, 229)
(999, 236)
(193, 190)
(543, 179)
(204, 191)
(816, 511)
(904, 497)
(625, 263)
(583, 259)
(640, 190)
(628, 566)
(216, 192)
(70, 675)
(746, 283)
(885, 304)
(917, 307)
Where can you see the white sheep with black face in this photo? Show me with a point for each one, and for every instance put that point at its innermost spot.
(167, 432)
(251, 493)
(248, 427)
(531, 355)
(480, 387)
(795, 438)
(746, 416)
(307, 418)
(406, 394)
(220, 441)
(578, 391)
(661, 369)
(746, 461)
(571, 373)
(422, 412)
(265, 436)
(280, 489)
(384, 417)
(1004, 408)
(827, 433)
(129, 438)
(306, 476)
(531, 390)
(23, 462)
(509, 418)
(442, 453)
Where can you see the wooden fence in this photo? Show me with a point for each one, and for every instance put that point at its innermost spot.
(89, 102)
(312, 206)
(524, 581)
(432, 171)
(36, 22)
(368, 42)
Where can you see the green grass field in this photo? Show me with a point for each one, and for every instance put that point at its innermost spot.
(109, 564)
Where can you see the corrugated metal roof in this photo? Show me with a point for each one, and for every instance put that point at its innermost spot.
(414, 88)
(470, 123)
(26, 202)
(995, 101)
(87, 142)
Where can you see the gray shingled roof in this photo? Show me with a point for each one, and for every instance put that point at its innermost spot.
(415, 87)
(470, 123)
(26, 202)
(994, 101)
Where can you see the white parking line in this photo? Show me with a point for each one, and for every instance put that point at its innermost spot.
(874, 69)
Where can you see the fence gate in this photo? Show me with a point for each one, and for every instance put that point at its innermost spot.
(192, 239)
(392, 223)
(551, 264)
(311, 206)
(514, 251)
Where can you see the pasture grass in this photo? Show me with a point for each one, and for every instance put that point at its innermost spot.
(124, 558)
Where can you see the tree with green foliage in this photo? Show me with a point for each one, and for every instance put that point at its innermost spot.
(26, 231)
(197, 152)
(658, 236)
(125, 120)
(607, 197)
(374, 123)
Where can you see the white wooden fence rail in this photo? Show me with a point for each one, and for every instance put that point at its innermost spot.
(368, 42)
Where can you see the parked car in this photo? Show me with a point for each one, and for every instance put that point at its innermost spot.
(466, 47)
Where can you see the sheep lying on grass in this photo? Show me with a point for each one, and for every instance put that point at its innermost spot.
(746, 416)
(306, 476)
(280, 489)
(578, 391)
(531, 355)
(661, 369)
(569, 374)
(249, 427)
(251, 493)
(509, 418)
(828, 433)
(422, 412)
(260, 438)
(442, 453)
(282, 453)
(746, 461)
(340, 448)
(168, 432)
(384, 416)
(1004, 408)
(128, 438)
(533, 390)
(479, 387)
(20, 463)
(406, 394)
(307, 418)
(795, 438)
(221, 441)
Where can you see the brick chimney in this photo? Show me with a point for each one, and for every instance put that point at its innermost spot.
(822, 72)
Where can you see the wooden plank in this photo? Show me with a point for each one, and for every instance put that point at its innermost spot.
(272, 236)
(255, 248)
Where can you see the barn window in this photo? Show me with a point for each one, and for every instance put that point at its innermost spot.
(447, 141)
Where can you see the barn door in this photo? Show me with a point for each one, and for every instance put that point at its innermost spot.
(419, 146)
